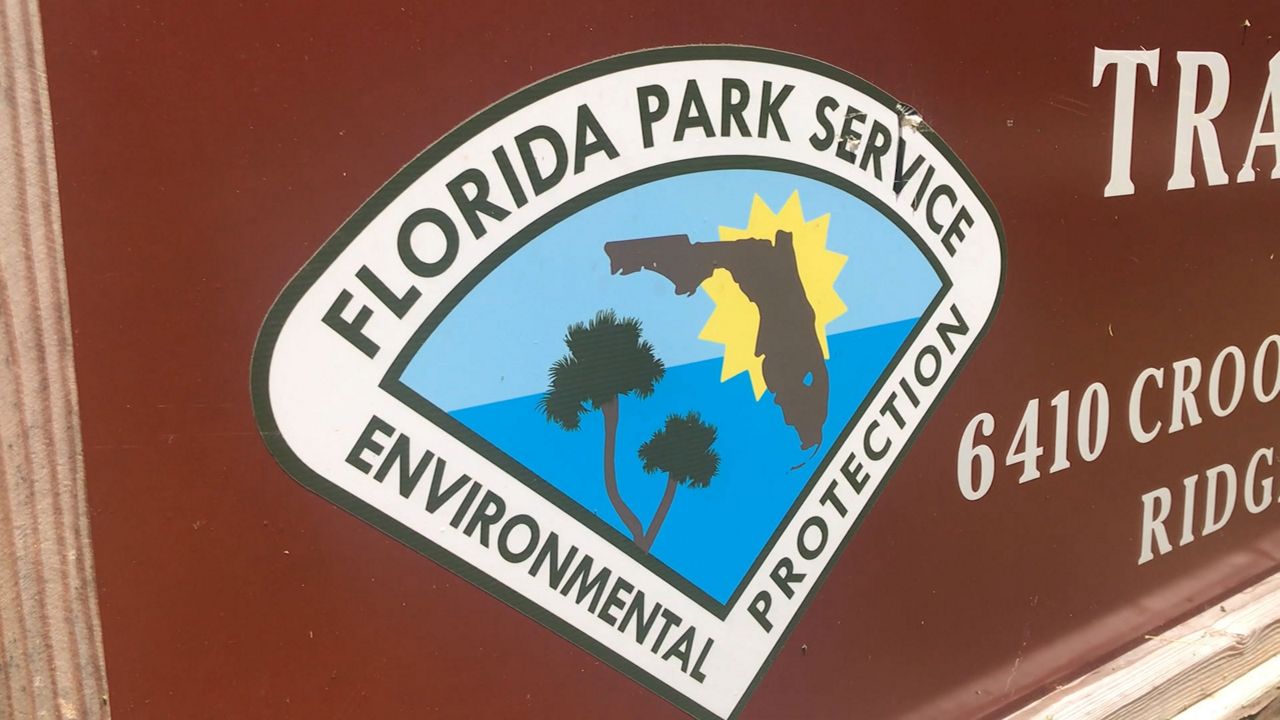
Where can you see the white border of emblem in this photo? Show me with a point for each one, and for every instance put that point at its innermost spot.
(314, 393)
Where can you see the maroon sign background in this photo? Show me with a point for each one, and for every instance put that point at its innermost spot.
(205, 151)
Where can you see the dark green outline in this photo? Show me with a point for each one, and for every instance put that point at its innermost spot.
(392, 383)
(302, 281)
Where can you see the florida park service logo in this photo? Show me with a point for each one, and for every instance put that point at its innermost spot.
(635, 348)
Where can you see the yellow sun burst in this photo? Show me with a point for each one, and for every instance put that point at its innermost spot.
(735, 321)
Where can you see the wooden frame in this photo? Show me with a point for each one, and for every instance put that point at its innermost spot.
(52, 664)
(1220, 665)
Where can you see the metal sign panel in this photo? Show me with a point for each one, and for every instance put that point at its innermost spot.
(1101, 466)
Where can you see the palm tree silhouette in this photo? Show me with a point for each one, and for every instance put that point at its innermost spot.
(682, 450)
(607, 359)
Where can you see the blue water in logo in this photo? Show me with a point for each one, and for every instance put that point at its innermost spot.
(486, 363)
(712, 535)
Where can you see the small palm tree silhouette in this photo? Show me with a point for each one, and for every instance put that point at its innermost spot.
(607, 359)
(681, 449)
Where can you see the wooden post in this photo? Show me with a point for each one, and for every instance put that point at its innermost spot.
(50, 640)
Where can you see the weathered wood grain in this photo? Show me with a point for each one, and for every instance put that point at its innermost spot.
(1252, 695)
(1180, 668)
(51, 662)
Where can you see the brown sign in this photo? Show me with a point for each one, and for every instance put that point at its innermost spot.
(1071, 357)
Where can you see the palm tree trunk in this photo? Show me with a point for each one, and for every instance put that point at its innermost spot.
(659, 515)
(610, 411)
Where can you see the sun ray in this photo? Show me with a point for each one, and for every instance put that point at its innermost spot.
(735, 321)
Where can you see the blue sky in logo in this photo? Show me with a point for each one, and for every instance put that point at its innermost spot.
(486, 364)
